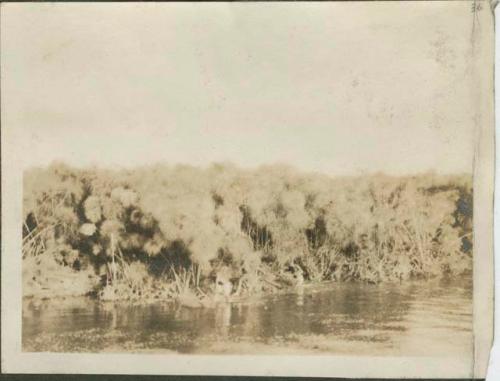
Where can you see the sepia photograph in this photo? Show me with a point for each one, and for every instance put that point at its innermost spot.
(263, 183)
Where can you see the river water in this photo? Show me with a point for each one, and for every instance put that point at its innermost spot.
(421, 318)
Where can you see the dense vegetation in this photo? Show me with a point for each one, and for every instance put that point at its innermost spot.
(161, 232)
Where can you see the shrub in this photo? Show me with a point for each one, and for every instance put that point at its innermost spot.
(140, 224)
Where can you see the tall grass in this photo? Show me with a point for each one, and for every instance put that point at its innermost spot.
(181, 226)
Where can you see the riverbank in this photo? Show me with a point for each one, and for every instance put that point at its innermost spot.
(61, 282)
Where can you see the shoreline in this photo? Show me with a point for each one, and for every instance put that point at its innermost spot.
(465, 280)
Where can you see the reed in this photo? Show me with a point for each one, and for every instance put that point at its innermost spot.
(173, 228)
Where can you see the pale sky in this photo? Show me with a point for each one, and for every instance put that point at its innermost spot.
(341, 88)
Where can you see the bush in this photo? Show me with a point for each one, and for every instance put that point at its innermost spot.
(140, 224)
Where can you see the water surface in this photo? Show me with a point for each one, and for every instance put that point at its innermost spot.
(423, 318)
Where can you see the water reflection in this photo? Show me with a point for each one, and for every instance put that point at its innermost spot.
(352, 317)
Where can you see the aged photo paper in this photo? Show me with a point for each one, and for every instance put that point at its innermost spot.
(254, 188)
